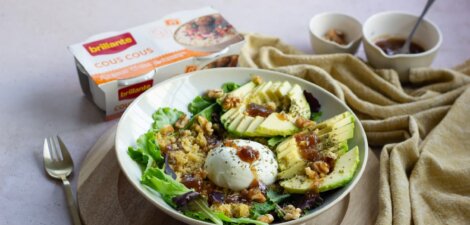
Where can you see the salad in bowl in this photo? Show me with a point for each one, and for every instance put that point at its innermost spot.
(255, 152)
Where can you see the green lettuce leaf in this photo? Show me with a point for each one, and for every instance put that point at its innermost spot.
(229, 86)
(275, 196)
(164, 184)
(165, 116)
(169, 188)
(272, 142)
(258, 209)
(242, 220)
(270, 205)
(207, 113)
(146, 151)
(198, 104)
(316, 116)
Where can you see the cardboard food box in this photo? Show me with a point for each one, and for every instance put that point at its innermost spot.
(114, 68)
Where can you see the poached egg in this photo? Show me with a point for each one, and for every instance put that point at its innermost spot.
(238, 164)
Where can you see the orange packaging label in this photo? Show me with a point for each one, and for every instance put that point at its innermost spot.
(135, 90)
(146, 66)
(110, 45)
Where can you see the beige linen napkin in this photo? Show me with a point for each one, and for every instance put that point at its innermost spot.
(424, 128)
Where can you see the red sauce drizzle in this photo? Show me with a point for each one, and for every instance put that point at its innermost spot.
(247, 154)
(191, 181)
(307, 143)
(258, 110)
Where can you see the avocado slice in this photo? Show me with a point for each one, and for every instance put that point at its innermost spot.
(340, 123)
(341, 134)
(331, 121)
(271, 92)
(298, 103)
(274, 125)
(233, 124)
(227, 115)
(251, 130)
(289, 155)
(343, 172)
(283, 89)
(296, 169)
(261, 92)
(243, 126)
(298, 184)
(240, 92)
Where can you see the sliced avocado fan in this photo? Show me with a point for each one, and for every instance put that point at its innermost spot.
(343, 172)
(333, 135)
(288, 99)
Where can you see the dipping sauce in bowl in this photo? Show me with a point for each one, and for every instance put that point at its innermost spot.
(392, 46)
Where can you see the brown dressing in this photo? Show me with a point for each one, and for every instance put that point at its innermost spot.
(282, 116)
(247, 154)
(307, 143)
(258, 110)
(193, 182)
(392, 46)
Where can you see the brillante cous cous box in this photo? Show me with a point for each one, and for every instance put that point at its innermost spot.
(116, 67)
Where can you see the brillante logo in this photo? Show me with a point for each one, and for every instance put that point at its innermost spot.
(110, 45)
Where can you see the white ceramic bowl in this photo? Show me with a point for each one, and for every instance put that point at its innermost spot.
(321, 23)
(399, 24)
(180, 90)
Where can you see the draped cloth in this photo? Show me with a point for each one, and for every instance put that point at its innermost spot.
(422, 128)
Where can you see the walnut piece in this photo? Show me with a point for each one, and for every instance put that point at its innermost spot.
(257, 80)
(215, 93)
(182, 121)
(291, 213)
(302, 123)
(254, 194)
(336, 36)
(167, 130)
(230, 102)
(321, 167)
(311, 173)
(266, 218)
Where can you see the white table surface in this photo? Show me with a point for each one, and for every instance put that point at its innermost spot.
(40, 93)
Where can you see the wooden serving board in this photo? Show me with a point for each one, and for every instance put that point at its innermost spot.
(105, 196)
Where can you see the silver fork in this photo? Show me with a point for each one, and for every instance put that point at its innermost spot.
(59, 165)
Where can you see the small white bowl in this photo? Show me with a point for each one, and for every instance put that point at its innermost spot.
(323, 22)
(399, 25)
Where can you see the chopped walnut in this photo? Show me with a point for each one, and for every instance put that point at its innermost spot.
(321, 167)
(182, 121)
(291, 213)
(215, 93)
(185, 133)
(233, 209)
(302, 123)
(167, 130)
(257, 80)
(266, 218)
(336, 36)
(311, 173)
(197, 128)
(254, 194)
(205, 125)
(201, 140)
(230, 102)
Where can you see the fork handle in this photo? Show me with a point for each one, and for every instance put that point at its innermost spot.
(71, 202)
